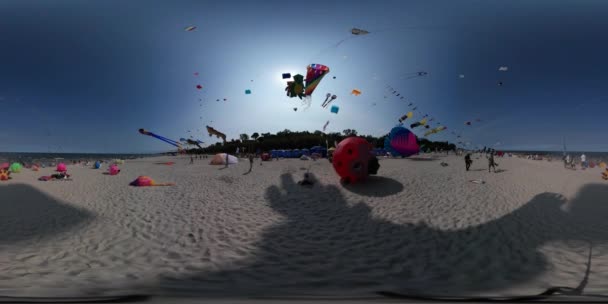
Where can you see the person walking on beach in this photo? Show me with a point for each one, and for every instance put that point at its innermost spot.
(250, 162)
(468, 161)
(583, 160)
(191, 159)
(491, 163)
(226, 160)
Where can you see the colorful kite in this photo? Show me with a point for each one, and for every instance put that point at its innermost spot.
(355, 92)
(436, 130)
(247, 92)
(406, 116)
(418, 124)
(314, 73)
(169, 141)
(401, 142)
(198, 86)
(335, 109)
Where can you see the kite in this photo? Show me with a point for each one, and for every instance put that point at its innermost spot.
(247, 92)
(412, 75)
(401, 141)
(334, 77)
(411, 104)
(414, 109)
(295, 109)
(468, 123)
(358, 32)
(436, 130)
(355, 92)
(190, 28)
(217, 133)
(325, 125)
(195, 73)
(198, 86)
(335, 109)
(500, 83)
(169, 141)
(314, 73)
(417, 124)
(503, 68)
(295, 88)
(286, 75)
(461, 76)
(195, 143)
(328, 99)
(406, 116)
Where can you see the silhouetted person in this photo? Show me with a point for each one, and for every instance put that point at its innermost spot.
(250, 162)
(491, 162)
(468, 161)
(373, 166)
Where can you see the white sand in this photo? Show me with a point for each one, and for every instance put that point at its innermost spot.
(416, 227)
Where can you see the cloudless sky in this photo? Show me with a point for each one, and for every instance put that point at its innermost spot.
(83, 76)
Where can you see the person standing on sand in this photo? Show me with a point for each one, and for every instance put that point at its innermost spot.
(226, 160)
(191, 160)
(583, 160)
(468, 161)
(491, 163)
(250, 162)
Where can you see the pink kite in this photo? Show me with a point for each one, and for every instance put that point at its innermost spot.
(113, 170)
(198, 86)
(61, 168)
(145, 181)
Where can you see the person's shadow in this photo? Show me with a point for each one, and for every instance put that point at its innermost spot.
(28, 214)
(329, 245)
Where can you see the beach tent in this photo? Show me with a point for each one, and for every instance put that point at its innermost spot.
(220, 159)
(16, 168)
(319, 150)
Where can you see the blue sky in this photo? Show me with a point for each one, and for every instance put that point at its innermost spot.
(83, 76)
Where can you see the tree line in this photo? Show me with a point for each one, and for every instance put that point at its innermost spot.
(287, 139)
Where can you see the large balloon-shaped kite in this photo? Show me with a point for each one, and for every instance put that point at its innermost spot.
(401, 142)
(352, 159)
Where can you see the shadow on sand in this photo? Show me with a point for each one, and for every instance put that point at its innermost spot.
(376, 186)
(328, 245)
(422, 158)
(26, 213)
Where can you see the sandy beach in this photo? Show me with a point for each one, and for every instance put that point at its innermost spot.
(415, 227)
